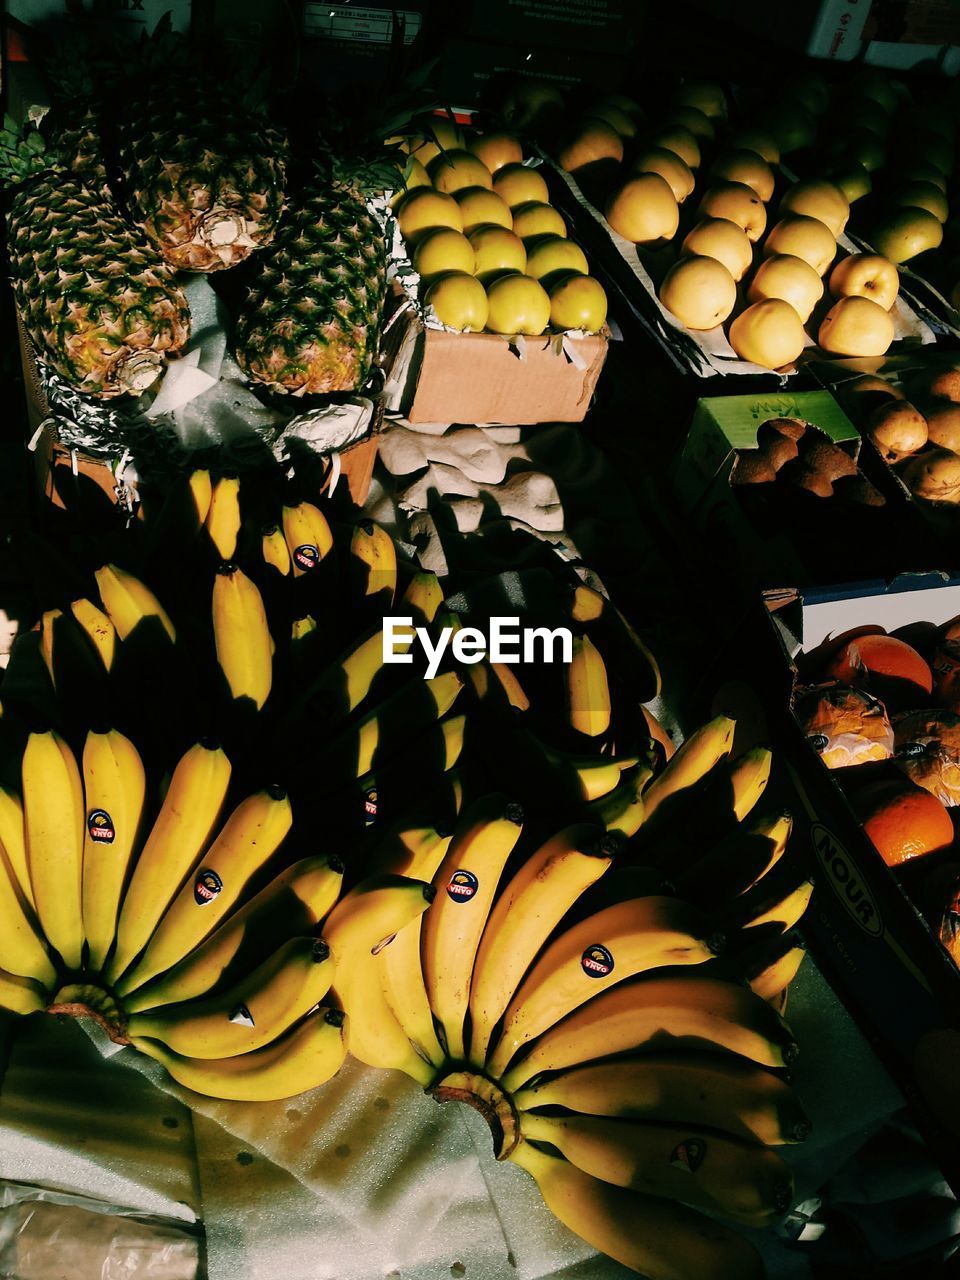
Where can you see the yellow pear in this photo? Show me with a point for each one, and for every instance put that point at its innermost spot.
(803, 237)
(459, 300)
(746, 167)
(496, 250)
(705, 95)
(455, 170)
(496, 148)
(856, 327)
(866, 275)
(595, 142)
(768, 333)
(907, 232)
(518, 183)
(700, 292)
(921, 195)
(739, 203)
(681, 141)
(852, 179)
(481, 208)
(644, 209)
(676, 172)
(577, 302)
(700, 125)
(758, 140)
(423, 210)
(818, 199)
(790, 278)
(438, 135)
(536, 218)
(517, 304)
(443, 249)
(549, 254)
(724, 240)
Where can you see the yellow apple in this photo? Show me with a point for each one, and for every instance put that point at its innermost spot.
(700, 292)
(921, 195)
(866, 275)
(680, 140)
(496, 148)
(907, 232)
(852, 179)
(818, 199)
(758, 140)
(700, 126)
(768, 333)
(806, 238)
(792, 126)
(859, 145)
(792, 279)
(624, 123)
(911, 170)
(856, 327)
(739, 203)
(644, 209)
(705, 95)
(531, 101)
(746, 167)
(674, 171)
(724, 240)
(577, 302)
(595, 142)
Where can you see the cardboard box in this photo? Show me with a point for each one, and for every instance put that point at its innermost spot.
(434, 375)
(474, 70)
(864, 932)
(600, 26)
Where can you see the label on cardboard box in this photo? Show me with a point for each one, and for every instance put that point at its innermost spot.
(593, 25)
(359, 24)
(138, 14)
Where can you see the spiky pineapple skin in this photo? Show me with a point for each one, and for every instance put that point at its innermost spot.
(204, 181)
(311, 323)
(91, 293)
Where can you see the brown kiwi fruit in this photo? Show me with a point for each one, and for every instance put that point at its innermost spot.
(802, 476)
(792, 428)
(824, 456)
(779, 450)
(752, 467)
(858, 489)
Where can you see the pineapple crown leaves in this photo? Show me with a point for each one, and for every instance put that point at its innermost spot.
(24, 153)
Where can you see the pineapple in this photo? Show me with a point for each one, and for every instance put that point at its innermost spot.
(98, 303)
(312, 322)
(203, 175)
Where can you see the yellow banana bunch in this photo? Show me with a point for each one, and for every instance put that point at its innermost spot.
(307, 535)
(242, 635)
(22, 951)
(13, 842)
(223, 516)
(21, 995)
(53, 819)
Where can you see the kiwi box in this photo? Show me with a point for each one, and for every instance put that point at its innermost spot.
(864, 932)
(776, 533)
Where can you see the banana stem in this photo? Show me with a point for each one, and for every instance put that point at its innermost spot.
(493, 1104)
(79, 1000)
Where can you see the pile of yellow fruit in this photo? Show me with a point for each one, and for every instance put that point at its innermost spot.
(768, 297)
(491, 251)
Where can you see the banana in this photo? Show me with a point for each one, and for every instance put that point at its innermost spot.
(303, 1059)
(21, 995)
(466, 883)
(302, 627)
(175, 844)
(374, 554)
(13, 841)
(415, 852)
(626, 652)
(769, 904)
(275, 550)
(727, 1094)
(250, 837)
(509, 684)
(296, 901)
(591, 777)
(223, 516)
(53, 823)
(401, 972)
(99, 628)
(621, 811)
(740, 1181)
(376, 1036)
(422, 597)
(524, 916)
(588, 690)
(128, 601)
(307, 535)
(114, 786)
(735, 865)
(619, 942)
(772, 967)
(48, 622)
(749, 775)
(201, 490)
(657, 1237)
(251, 1014)
(367, 741)
(346, 683)
(637, 1015)
(22, 952)
(242, 636)
(587, 605)
(365, 919)
(704, 748)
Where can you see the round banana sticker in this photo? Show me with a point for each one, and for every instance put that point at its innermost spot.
(100, 826)
(596, 961)
(463, 885)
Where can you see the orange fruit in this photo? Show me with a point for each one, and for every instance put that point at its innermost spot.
(903, 820)
(877, 660)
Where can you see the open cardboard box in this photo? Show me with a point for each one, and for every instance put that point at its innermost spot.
(864, 932)
(767, 541)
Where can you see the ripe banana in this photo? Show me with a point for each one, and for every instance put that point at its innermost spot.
(275, 549)
(410, 851)
(307, 535)
(692, 761)
(639, 1015)
(201, 490)
(508, 682)
(422, 598)
(749, 775)
(99, 628)
(659, 1238)
(586, 605)
(619, 942)
(627, 653)
(223, 516)
(180, 834)
(621, 811)
(366, 918)
(114, 786)
(523, 917)
(242, 636)
(590, 777)
(401, 972)
(771, 967)
(295, 902)
(129, 602)
(48, 621)
(251, 1014)
(21, 995)
(22, 952)
(374, 555)
(304, 1058)
(588, 690)
(250, 837)
(735, 865)
(466, 883)
(302, 627)
(728, 1094)
(53, 823)
(13, 841)
(376, 1036)
(741, 1181)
